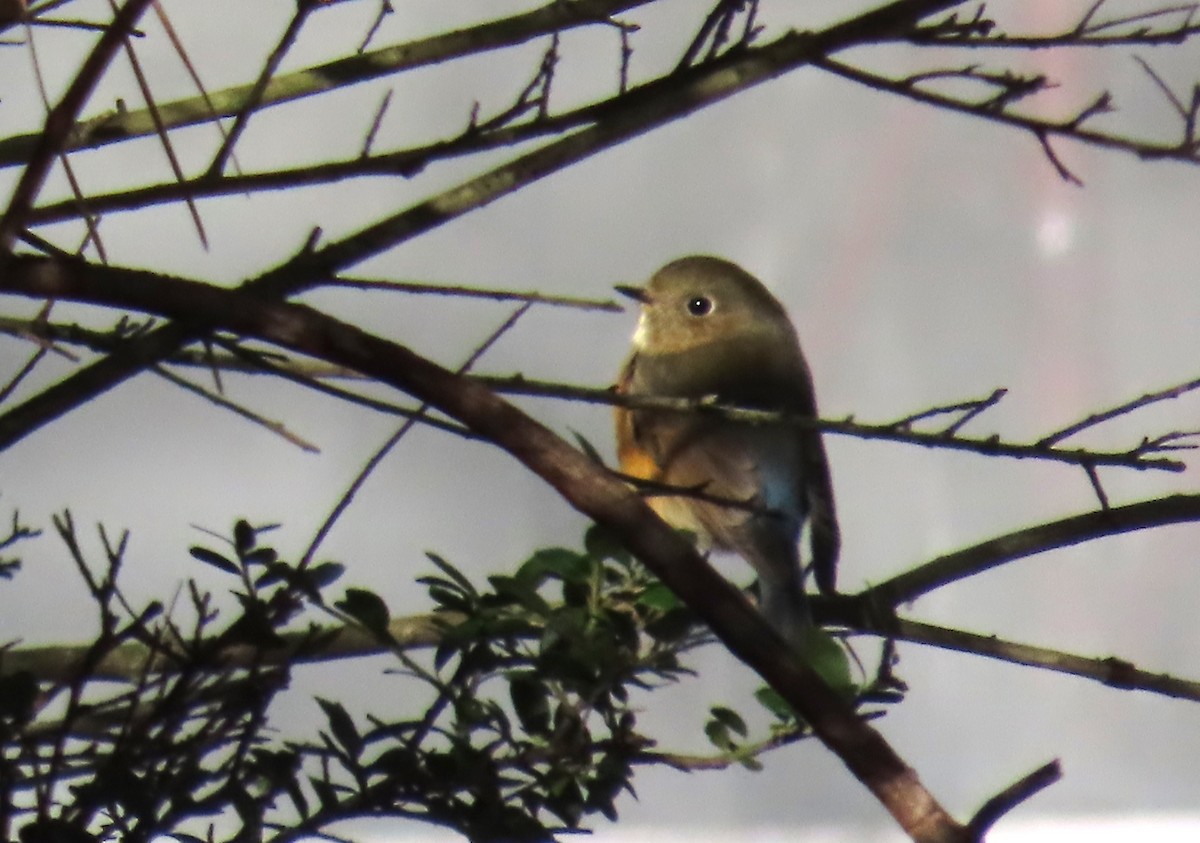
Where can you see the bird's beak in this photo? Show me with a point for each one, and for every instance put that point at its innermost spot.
(638, 294)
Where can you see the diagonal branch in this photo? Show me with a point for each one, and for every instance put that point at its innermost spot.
(1040, 128)
(1111, 672)
(254, 96)
(55, 135)
(583, 484)
(362, 67)
(906, 587)
(649, 107)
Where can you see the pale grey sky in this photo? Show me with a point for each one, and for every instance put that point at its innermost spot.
(925, 258)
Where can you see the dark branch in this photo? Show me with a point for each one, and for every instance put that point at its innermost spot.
(1012, 796)
(583, 484)
(952, 567)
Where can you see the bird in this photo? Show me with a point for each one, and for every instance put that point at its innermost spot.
(710, 331)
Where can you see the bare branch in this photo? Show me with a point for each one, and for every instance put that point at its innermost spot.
(474, 292)
(952, 567)
(54, 137)
(315, 644)
(1012, 796)
(1112, 672)
(979, 31)
(584, 485)
(376, 458)
(654, 104)
(117, 125)
(276, 427)
(254, 96)
(1136, 457)
(1121, 409)
(1041, 128)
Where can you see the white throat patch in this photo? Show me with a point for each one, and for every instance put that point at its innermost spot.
(639, 333)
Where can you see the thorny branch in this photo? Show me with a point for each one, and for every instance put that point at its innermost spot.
(717, 63)
(1145, 455)
(1155, 27)
(1006, 88)
(586, 486)
(653, 104)
(53, 139)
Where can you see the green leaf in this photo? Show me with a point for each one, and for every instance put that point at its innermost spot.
(730, 719)
(296, 793)
(444, 651)
(658, 596)
(276, 573)
(342, 727)
(520, 591)
(253, 627)
(751, 763)
(326, 793)
(51, 830)
(398, 763)
(601, 543)
(718, 735)
(827, 656)
(244, 537)
(555, 562)
(325, 573)
(367, 608)
(261, 556)
(531, 701)
(672, 626)
(447, 599)
(211, 557)
(453, 573)
(576, 593)
(769, 699)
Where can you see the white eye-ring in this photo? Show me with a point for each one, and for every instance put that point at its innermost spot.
(699, 305)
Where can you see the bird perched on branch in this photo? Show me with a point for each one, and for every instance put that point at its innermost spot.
(710, 331)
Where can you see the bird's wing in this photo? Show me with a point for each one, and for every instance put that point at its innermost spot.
(825, 538)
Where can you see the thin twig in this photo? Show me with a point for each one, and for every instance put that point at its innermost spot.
(980, 32)
(554, 16)
(275, 427)
(1012, 796)
(417, 287)
(376, 458)
(959, 565)
(259, 362)
(655, 106)
(689, 763)
(1042, 129)
(90, 221)
(1121, 409)
(385, 9)
(254, 97)
(177, 44)
(59, 122)
(1135, 457)
(376, 123)
(161, 130)
(969, 409)
(1093, 477)
(1111, 672)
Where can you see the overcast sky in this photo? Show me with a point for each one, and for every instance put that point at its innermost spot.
(925, 258)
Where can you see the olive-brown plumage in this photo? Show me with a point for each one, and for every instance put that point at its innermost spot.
(710, 330)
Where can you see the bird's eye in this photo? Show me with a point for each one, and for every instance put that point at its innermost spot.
(699, 305)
